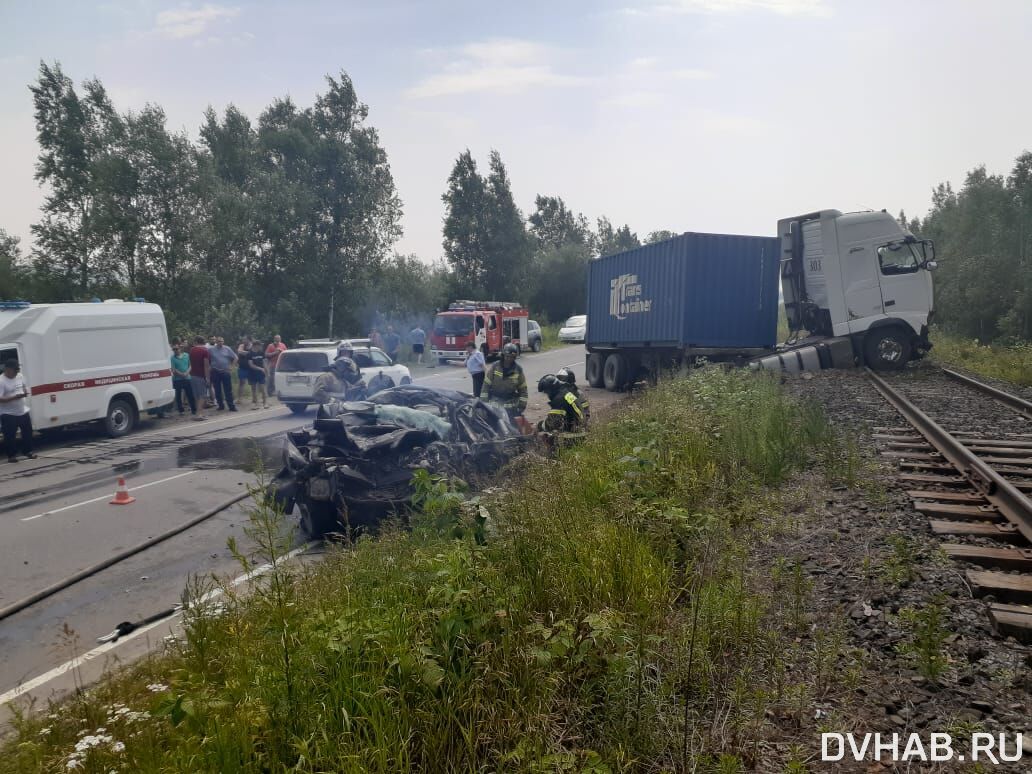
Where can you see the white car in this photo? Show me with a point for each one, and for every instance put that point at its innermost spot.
(574, 329)
(297, 370)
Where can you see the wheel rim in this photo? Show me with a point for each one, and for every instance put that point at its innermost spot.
(890, 350)
(119, 419)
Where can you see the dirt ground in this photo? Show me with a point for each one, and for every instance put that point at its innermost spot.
(873, 563)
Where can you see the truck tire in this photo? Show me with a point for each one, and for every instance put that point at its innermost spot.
(120, 418)
(442, 361)
(887, 349)
(536, 346)
(594, 370)
(319, 518)
(615, 372)
(297, 408)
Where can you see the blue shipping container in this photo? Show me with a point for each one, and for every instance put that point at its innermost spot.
(695, 290)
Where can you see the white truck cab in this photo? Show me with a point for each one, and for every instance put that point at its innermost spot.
(861, 276)
(106, 361)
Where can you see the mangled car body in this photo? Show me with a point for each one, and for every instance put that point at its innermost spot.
(355, 464)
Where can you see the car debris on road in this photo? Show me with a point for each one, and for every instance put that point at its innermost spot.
(355, 464)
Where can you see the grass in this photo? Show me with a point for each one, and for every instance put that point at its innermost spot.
(1010, 363)
(550, 336)
(604, 615)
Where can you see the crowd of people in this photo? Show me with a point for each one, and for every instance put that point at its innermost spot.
(202, 373)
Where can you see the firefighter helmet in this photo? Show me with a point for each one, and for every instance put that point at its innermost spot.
(566, 375)
(510, 349)
(549, 383)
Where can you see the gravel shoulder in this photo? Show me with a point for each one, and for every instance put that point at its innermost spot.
(877, 574)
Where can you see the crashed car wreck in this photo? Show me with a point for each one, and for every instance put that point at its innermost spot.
(355, 464)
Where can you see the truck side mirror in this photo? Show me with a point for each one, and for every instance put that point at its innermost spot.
(930, 265)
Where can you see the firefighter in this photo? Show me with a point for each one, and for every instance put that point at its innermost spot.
(565, 412)
(505, 384)
(564, 374)
(341, 381)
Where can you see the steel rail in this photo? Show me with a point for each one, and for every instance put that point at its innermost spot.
(1000, 492)
(1020, 405)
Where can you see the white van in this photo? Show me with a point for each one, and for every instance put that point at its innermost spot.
(91, 361)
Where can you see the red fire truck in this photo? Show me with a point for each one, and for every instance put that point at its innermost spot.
(488, 324)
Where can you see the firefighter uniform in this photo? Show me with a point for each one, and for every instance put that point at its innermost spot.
(567, 412)
(506, 387)
(342, 379)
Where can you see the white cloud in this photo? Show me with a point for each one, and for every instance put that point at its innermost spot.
(184, 23)
(500, 65)
(781, 7)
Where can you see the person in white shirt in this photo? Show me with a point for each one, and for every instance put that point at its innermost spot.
(476, 366)
(14, 411)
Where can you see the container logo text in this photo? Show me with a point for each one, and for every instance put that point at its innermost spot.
(625, 297)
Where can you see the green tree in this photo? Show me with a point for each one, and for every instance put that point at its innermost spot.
(76, 135)
(659, 236)
(12, 272)
(465, 243)
(609, 241)
(553, 225)
(508, 249)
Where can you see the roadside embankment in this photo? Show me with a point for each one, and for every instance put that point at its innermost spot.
(626, 607)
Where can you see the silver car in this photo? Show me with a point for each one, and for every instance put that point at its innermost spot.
(574, 329)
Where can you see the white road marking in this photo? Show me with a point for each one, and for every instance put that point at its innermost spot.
(78, 661)
(104, 497)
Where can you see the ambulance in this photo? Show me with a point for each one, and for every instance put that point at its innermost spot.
(84, 362)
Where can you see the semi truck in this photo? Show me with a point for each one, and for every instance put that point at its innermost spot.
(104, 361)
(857, 289)
(488, 324)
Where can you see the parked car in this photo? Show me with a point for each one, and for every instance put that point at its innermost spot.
(573, 330)
(298, 369)
(534, 335)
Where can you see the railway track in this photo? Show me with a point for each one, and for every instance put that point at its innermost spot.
(966, 458)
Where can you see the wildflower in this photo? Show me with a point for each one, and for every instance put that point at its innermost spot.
(157, 687)
(73, 763)
(118, 747)
(44, 731)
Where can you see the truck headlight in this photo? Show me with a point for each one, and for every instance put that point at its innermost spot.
(319, 489)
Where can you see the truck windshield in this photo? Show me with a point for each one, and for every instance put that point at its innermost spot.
(453, 325)
(899, 258)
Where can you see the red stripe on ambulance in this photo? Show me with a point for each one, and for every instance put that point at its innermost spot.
(103, 381)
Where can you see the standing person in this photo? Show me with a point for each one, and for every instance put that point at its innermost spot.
(243, 350)
(417, 337)
(505, 383)
(375, 339)
(391, 342)
(212, 340)
(256, 373)
(14, 411)
(222, 359)
(181, 378)
(200, 374)
(272, 353)
(475, 365)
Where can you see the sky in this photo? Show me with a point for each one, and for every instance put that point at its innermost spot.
(687, 115)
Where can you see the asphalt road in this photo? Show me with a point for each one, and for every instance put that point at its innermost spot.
(55, 518)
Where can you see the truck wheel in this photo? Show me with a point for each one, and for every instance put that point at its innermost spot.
(120, 418)
(319, 518)
(536, 346)
(887, 349)
(615, 372)
(297, 408)
(442, 361)
(594, 370)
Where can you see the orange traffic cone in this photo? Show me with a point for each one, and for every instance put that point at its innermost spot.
(122, 496)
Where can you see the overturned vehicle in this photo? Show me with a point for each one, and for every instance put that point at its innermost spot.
(355, 464)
